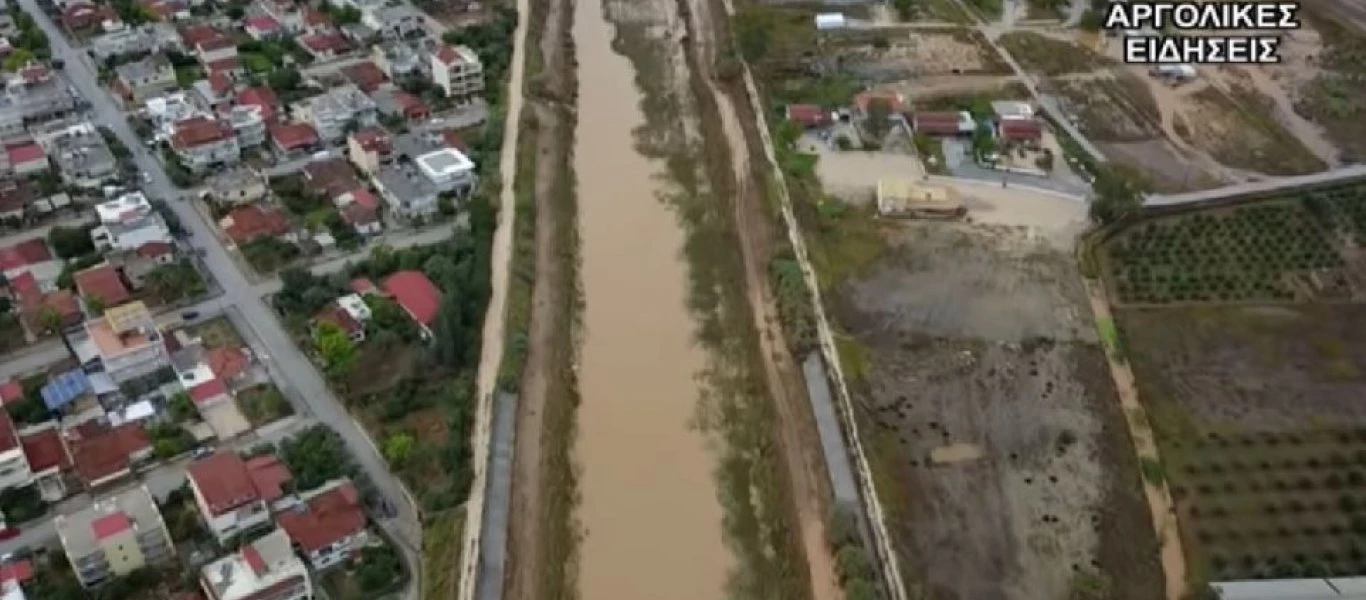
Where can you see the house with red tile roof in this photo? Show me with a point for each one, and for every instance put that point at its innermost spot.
(293, 138)
(27, 159)
(226, 496)
(10, 392)
(418, 296)
(369, 149)
(14, 467)
(944, 123)
(1020, 131)
(325, 45)
(166, 10)
(31, 256)
(202, 143)
(47, 459)
(334, 314)
(330, 178)
(228, 363)
(328, 526)
(365, 75)
(363, 286)
(263, 27)
(209, 393)
(248, 223)
(363, 219)
(894, 102)
(457, 70)
(101, 285)
(84, 15)
(270, 476)
(102, 454)
(808, 115)
(262, 97)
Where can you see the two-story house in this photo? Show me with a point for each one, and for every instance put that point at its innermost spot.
(203, 143)
(226, 496)
(328, 525)
(128, 222)
(458, 71)
(127, 342)
(369, 149)
(147, 78)
(332, 112)
(115, 536)
(14, 466)
(266, 569)
(393, 21)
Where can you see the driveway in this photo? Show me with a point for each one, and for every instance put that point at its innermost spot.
(313, 396)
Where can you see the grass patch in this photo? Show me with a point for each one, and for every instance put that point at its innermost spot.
(853, 357)
(263, 403)
(1253, 138)
(217, 332)
(1336, 98)
(1153, 471)
(442, 542)
(1040, 54)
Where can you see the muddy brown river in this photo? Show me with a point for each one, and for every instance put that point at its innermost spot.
(649, 505)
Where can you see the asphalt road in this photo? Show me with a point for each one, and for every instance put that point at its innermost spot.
(300, 374)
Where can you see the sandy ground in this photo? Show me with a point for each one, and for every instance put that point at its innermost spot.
(979, 334)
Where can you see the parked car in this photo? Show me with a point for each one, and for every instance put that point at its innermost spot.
(9, 533)
(190, 315)
(202, 451)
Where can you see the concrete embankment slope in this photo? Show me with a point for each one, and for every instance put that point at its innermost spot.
(1342, 175)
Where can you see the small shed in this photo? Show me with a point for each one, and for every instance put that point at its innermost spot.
(1006, 109)
(1020, 131)
(946, 123)
(907, 199)
(829, 21)
(1178, 72)
(808, 115)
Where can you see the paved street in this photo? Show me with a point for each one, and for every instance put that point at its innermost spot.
(299, 374)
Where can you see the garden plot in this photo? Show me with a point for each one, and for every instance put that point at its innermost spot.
(1237, 128)
(1112, 107)
(1257, 411)
(1276, 251)
(998, 441)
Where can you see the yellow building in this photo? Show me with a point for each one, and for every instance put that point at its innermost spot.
(909, 199)
(115, 536)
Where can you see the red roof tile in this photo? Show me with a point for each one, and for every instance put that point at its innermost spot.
(24, 254)
(199, 131)
(223, 482)
(447, 55)
(217, 42)
(229, 64)
(365, 199)
(313, 16)
(44, 450)
(1021, 129)
(336, 315)
(452, 139)
(333, 177)
(17, 570)
(252, 557)
(99, 451)
(25, 153)
(25, 287)
(251, 222)
(895, 102)
(155, 249)
(416, 294)
(365, 75)
(356, 213)
(208, 390)
(8, 439)
(110, 525)
(193, 35)
(326, 42)
(294, 136)
(11, 391)
(220, 83)
(373, 139)
(809, 115)
(102, 282)
(66, 305)
(268, 476)
(936, 123)
(227, 362)
(412, 106)
(362, 285)
(327, 519)
(262, 97)
(262, 23)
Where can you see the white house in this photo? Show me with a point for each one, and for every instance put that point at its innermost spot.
(265, 569)
(458, 71)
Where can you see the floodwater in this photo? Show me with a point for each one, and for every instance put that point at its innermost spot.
(649, 505)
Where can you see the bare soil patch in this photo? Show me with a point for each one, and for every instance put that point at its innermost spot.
(1236, 128)
(979, 335)
(914, 53)
(1168, 170)
(1112, 107)
(1047, 56)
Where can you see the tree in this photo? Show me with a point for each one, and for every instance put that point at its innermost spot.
(1117, 193)
(337, 349)
(983, 141)
(316, 456)
(17, 59)
(851, 562)
(398, 448)
(451, 345)
(181, 407)
(284, 80)
(379, 568)
(387, 315)
(70, 242)
(879, 118)
(859, 589)
(904, 9)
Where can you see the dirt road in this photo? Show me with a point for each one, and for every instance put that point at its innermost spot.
(796, 427)
(491, 353)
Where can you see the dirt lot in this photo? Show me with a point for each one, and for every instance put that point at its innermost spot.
(898, 54)
(977, 334)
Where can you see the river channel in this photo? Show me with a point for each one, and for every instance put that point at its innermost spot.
(649, 507)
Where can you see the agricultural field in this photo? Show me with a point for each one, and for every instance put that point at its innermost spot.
(1241, 324)
(1302, 248)
(1038, 53)
(998, 443)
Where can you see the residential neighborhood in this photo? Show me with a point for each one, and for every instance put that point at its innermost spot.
(177, 422)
